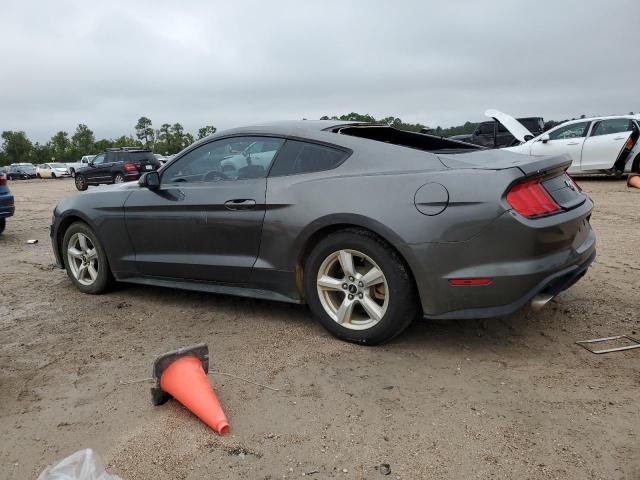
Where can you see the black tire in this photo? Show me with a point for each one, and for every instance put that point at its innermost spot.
(3, 224)
(72, 172)
(53, 175)
(403, 300)
(119, 178)
(81, 183)
(104, 278)
(38, 175)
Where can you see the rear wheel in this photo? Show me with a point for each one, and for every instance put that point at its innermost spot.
(118, 178)
(72, 172)
(53, 175)
(81, 183)
(3, 224)
(85, 259)
(359, 288)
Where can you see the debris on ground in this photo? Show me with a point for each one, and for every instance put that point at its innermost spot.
(81, 465)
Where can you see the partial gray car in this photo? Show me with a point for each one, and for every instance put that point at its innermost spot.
(369, 225)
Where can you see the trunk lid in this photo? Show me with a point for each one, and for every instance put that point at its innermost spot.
(500, 159)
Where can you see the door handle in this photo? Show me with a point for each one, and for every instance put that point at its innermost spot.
(573, 143)
(240, 204)
(619, 138)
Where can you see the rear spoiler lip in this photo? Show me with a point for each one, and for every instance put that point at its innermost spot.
(544, 165)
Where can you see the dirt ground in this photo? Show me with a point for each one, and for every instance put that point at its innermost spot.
(511, 397)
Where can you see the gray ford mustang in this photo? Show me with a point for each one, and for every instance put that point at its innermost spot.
(369, 225)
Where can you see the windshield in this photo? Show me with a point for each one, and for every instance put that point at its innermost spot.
(57, 165)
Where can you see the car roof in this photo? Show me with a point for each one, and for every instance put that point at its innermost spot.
(606, 117)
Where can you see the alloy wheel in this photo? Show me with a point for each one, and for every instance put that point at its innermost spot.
(118, 178)
(352, 289)
(82, 258)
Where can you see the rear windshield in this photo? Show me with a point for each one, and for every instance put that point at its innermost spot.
(420, 141)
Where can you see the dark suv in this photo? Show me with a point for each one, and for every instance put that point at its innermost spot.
(493, 134)
(116, 165)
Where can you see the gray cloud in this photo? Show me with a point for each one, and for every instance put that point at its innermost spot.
(229, 63)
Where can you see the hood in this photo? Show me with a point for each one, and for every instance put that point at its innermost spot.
(514, 126)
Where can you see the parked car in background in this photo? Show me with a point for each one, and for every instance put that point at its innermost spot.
(84, 161)
(494, 134)
(7, 206)
(21, 171)
(369, 225)
(52, 170)
(606, 145)
(116, 165)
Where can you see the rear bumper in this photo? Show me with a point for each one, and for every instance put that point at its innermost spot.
(521, 257)
(7, 207)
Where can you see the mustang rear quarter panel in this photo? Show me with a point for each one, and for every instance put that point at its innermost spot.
(299, 205)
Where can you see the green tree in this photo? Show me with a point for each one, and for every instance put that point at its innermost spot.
(16, 146)
(206, 131)
(42, 153)
(82, 141)
(144, 131)
(61, 147)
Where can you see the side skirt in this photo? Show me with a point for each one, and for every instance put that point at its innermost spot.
(211, 288)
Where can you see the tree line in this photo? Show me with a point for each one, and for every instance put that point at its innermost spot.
(169, 139)
(166, 140)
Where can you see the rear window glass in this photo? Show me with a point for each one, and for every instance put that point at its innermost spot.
(301, 157)
(614, 125)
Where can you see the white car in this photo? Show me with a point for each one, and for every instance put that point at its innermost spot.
(52, 170)
(84, 162)
(596, 145)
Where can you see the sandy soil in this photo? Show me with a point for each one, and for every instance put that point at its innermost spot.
(510, 397)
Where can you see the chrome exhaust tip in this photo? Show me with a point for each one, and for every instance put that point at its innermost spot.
(540, 301)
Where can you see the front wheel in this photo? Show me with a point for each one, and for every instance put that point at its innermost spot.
(359, 288)
(81, 183)
(118, 178)
(85, 259)
(53, 175)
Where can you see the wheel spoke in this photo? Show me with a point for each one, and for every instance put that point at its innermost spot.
(329, 283)
(92, 254)
(82, 240)
(81, 272)
(372, 308)
(346, 262)
(372, 277)
(345, 311)
(93, 273)
(74, 252)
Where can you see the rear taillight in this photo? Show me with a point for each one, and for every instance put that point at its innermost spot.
(3, 179)
(531, 200)
(130, 167)
(629, 144)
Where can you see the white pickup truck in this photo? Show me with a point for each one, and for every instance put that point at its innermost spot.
(84, 161)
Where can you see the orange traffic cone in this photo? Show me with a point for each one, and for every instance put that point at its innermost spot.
(182, 374)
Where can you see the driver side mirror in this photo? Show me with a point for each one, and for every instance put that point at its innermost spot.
(150, 180)
(544, 138)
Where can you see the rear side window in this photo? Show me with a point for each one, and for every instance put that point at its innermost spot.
(301, 157)
(139, 156)
(485, 128)
(614, 125)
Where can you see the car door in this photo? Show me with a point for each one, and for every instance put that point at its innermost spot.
(605, 142)
(94, 172)
(563, 139)
(202, 223)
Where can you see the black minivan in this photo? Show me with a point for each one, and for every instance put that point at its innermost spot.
(116, 165)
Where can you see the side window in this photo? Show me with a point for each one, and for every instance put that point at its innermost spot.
(613, 125)
(235, 158)
(99, 159)
(575, 130)
(486, 128)
(301, 157)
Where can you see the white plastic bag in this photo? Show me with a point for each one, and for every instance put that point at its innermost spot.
(82, 465)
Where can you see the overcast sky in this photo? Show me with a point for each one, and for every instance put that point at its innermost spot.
(239, 62)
